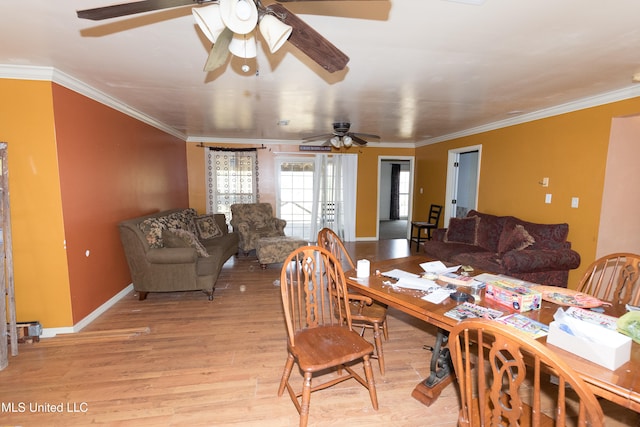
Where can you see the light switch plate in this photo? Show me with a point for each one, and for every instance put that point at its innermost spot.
(547, 198)
(574, 202)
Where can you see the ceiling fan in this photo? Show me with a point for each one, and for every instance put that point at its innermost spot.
(342, 137)
(230, 25)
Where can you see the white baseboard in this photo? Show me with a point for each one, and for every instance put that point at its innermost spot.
(52, 332)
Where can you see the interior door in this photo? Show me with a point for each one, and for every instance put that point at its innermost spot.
(463, 177)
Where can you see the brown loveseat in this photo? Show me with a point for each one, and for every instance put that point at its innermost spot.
(533, 252)
(176, 250)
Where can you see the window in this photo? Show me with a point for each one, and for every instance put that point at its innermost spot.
(231, 178)
(316, 192)
(404, 194)
(296, 196)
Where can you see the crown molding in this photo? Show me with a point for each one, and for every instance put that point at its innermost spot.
(213, 140)
(22, 72)
(580, 104)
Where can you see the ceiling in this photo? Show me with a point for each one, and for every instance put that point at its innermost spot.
(420, 71)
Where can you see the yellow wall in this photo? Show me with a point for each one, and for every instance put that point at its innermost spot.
(570, 149)
(39, 256)
(367, 199)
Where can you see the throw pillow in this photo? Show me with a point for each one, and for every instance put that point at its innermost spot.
(463, 230)
(152, 230)
(172, 240)
(207, 227)
(514, 237)
(173, 236)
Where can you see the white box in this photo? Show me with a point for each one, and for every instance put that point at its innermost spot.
(605, 347)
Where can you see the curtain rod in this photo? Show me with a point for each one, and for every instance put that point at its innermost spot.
(211, 147)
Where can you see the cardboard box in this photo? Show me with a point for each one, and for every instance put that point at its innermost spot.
(513, 295)
(602, 346)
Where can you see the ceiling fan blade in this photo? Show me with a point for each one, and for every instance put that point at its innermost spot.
(220, 51)
(365, 135)
(358, 140)
(310, 42)
(114, 11)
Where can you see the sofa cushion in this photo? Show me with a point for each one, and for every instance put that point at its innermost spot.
(547, 236)
(483, 260)
(514, 237)
(177, 238)
(206, 227)
(489, 230)
(172, 240)
(221, 220)
(462, 230)
(443, 251)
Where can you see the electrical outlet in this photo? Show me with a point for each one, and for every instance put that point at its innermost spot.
(547, 198)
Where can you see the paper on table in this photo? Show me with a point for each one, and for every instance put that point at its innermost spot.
(398, 274)
(438, 267)
(438, 295)
(417, 283)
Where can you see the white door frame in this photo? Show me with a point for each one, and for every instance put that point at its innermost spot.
(452, 178)
(411, 160)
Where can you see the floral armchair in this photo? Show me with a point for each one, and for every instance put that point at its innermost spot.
(253, 221)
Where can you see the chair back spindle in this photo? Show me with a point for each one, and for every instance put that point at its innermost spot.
(613, 278)
(504, 378)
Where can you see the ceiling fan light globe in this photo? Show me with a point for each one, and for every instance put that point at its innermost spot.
(209, 21)
(240, 16)
(243, 46)
(274, 31)
(347, 141)
(335, 141)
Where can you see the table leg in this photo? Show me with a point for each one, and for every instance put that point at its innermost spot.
(428, 390)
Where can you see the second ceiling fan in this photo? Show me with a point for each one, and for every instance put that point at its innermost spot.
(341, 137)
(230, 24)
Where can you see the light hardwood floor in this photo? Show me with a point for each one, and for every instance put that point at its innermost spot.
(178, 359)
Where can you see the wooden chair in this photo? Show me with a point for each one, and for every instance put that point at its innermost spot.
(365, 313)
(314, 292)
(613, 278)
(503, 378)
(432, 223)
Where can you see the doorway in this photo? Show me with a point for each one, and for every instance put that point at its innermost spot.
(463, 181)
(395, 196)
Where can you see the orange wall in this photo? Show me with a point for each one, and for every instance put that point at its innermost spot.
(112, 167)
(76, 168)
(570, 149)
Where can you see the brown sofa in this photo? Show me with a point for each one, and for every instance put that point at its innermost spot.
(176, 250)
(507, 245)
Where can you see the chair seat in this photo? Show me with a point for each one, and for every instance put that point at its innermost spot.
(422, 224)
(369, 313)
(327, 346)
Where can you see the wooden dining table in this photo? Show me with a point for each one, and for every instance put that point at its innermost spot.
(621, 386)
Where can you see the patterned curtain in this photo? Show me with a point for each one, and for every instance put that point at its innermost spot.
(232, 177)
(394, 208)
